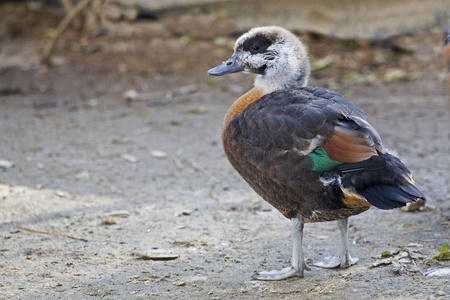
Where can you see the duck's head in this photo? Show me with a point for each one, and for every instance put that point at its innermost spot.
(278, 57)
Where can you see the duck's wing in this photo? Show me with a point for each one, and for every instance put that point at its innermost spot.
(285, 133)
(315, 142)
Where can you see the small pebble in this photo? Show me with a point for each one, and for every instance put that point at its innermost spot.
(178, 282)
(108, 220)
(441, 272)
(130, 95)
(128, 157)
(157, 256)
(6, 164)
(158, 154)
(119, 213)
(62, 194)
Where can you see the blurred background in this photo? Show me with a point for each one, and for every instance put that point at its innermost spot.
(110, 134)
(147, 45)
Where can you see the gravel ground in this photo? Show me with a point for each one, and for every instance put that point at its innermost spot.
(151, 209)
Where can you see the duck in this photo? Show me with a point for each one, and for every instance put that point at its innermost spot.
(308, 151)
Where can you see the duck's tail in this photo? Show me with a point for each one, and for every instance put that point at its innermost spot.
(383, 180)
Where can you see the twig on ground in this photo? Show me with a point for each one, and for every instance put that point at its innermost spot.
(205, 174)
(195, 170)
(63, 26)
(51, 233)
(417, 267)
(178, 163)
(68, 5)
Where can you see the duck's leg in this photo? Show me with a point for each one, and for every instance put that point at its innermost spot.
(345, 260)
(298, 265)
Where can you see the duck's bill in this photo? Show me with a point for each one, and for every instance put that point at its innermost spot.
(232, 65)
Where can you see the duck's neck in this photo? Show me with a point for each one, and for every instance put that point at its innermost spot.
(240, 104)
(279, 81)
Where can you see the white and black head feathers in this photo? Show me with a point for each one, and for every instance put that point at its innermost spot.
(276, 55)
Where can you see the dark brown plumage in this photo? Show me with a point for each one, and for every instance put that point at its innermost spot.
(307, 151)
(265, 143)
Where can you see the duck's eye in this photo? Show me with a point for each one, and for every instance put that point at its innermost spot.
(256, 44)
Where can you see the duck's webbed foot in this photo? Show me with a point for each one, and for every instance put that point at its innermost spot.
(348, 260)
(278, 274)
(331, 262)
(298, 263)
(344, 261)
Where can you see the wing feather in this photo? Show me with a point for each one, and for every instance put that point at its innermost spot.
(353, 140)
(282, 128)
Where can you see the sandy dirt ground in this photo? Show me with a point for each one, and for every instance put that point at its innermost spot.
(151, 208)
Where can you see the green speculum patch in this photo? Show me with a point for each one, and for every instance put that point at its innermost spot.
(321, 161)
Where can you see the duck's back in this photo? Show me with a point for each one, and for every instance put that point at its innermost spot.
(283, 143)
